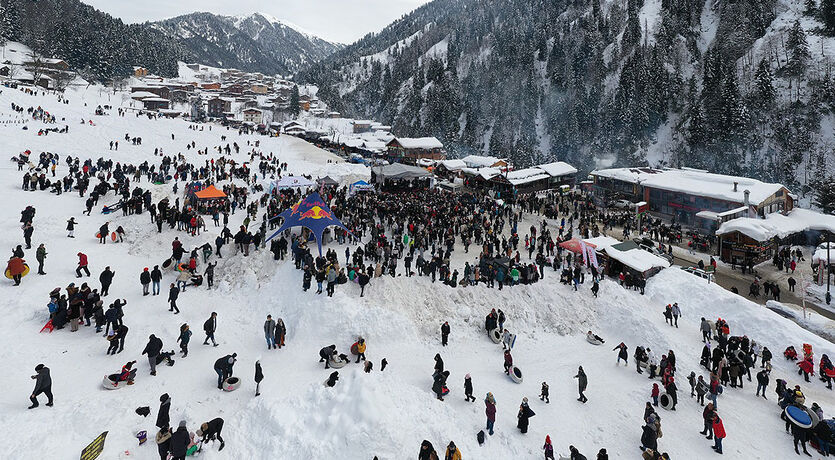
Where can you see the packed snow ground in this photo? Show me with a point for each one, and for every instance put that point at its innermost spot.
(386, 414)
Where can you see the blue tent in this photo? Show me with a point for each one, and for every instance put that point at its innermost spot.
(361, 186)
(311, 213)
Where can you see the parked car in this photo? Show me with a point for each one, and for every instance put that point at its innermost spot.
(621, 204)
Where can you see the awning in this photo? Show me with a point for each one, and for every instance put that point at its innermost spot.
(574, 246)
(209, 192)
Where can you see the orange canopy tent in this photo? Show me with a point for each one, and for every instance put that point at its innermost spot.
(209, 192)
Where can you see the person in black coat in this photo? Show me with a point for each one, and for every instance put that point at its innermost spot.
(152, 349)
(179, 442)
(173, 294)
(223, 367)
(156, 277)
(439, 363)
(162, 416)
(259, 375)
(445, 333)
(468, 389)
(209, 327)
(106, 279)
(43, 384)
(326, 354)
(524, 415)
(211, 431)
(145, 280)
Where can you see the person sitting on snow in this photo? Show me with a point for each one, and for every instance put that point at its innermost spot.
(591, 336)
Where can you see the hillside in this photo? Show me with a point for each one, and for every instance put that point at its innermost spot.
(736, 87)
(255, 43)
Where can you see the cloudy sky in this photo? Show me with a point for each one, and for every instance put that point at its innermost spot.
(337, 20)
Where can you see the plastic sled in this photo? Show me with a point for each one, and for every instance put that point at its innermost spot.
(798, 416)
(25, 272)
(593, 340)
(48, 327)
(665, 401)
(113, 236)
(166, 263)
(516, 374)
(495, 335)
(354, 350)
(231, 384)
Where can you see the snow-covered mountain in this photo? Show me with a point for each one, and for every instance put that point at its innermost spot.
(256, 42)
(737, 87)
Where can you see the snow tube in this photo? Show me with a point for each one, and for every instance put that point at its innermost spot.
(111, 382)
(338, 363)
(516, 374)
(231, 384)
(25, 272)
(181, 267)
(798, 416)
(593, 340)
(354, 350)
(665, 401)
(643, 364)
(495, 335)
(166, 263)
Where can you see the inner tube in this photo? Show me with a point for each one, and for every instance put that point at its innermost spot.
(181, 267)
(666, 401)
(166, 263)
(516, 374)
(593, 341)
(111, 382)
(231, 384)
(495, 335)
(643, 364)
(798, 416)
(337, 363)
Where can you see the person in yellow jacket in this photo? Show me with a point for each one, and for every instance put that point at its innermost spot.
(452, 452)
(360, 349)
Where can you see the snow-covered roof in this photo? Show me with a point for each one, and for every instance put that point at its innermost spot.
(453, 165)
(524, 176)
(142, 94)
(154, 99)
(776, 224)
(637, 259)
(419, 142)
(478, 161)
(695, 182)
(602, 242)
(485, 173)
(559, 168)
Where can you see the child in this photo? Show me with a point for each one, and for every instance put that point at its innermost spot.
(543, 396)
(655, 393)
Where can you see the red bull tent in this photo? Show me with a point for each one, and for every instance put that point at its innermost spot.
(311, 213)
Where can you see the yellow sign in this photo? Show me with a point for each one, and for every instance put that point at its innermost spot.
(93, 450)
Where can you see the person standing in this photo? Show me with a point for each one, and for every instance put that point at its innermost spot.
(162, 416)
(82, 265)
(490, 411)
(156, 277)
(145, 280)
(152, 349)
(40, 255)
(676, 313)
(173, 294)
(360, 350)
(209, 327)
(71, 227)
(524, 415)
(184, 338)
(719, 434)
(15, 267)
(582, 383)
(43, 384)
(269, 332)
(445, 333)
(179, 442)
(259, 376)
(280, 332)
(548, 448)
(223, 368)
(106, 279)
(468, 389)
(762, 381)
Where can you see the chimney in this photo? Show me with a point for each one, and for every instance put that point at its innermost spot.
(747, 202)
(735, 184)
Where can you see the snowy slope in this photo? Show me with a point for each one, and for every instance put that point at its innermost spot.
(384, 414)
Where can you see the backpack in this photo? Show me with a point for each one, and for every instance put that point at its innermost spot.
(480, 437)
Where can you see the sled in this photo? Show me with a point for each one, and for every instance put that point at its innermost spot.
(593, 340)
(142, 436)
(643, 364)
(48, 327)
(515, 374)
(111, 382)
(354, 349)
(801, 417)
(166, 263)
(665, 401)
(338, 363)
(183, 267)
(113, 236)
(25, 272)
(231, 384)
(495, 335)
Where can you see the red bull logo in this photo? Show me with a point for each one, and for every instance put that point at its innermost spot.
(295, 208)
(316, 213)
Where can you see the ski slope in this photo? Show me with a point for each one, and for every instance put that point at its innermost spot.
(384, 414)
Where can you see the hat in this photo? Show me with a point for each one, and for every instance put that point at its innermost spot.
(467, 376)
(163, 397)
(182, 423)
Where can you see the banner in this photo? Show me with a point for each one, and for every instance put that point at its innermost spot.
(583, 249)
(93, 450)
(593, 256)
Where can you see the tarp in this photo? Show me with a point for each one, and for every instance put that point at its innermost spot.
(311, 213)
(294, 182)
(209, 192)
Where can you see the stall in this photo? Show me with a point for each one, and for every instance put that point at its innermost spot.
(208, 198)
(293, 182)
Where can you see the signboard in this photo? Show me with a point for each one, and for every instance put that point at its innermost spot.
(93, 450)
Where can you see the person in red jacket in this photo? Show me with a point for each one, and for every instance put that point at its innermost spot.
(16, 267)
(718, 433)
(82, 265)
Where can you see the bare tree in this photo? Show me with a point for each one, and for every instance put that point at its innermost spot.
(14, 70)
(60, 80)
(36, 66)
